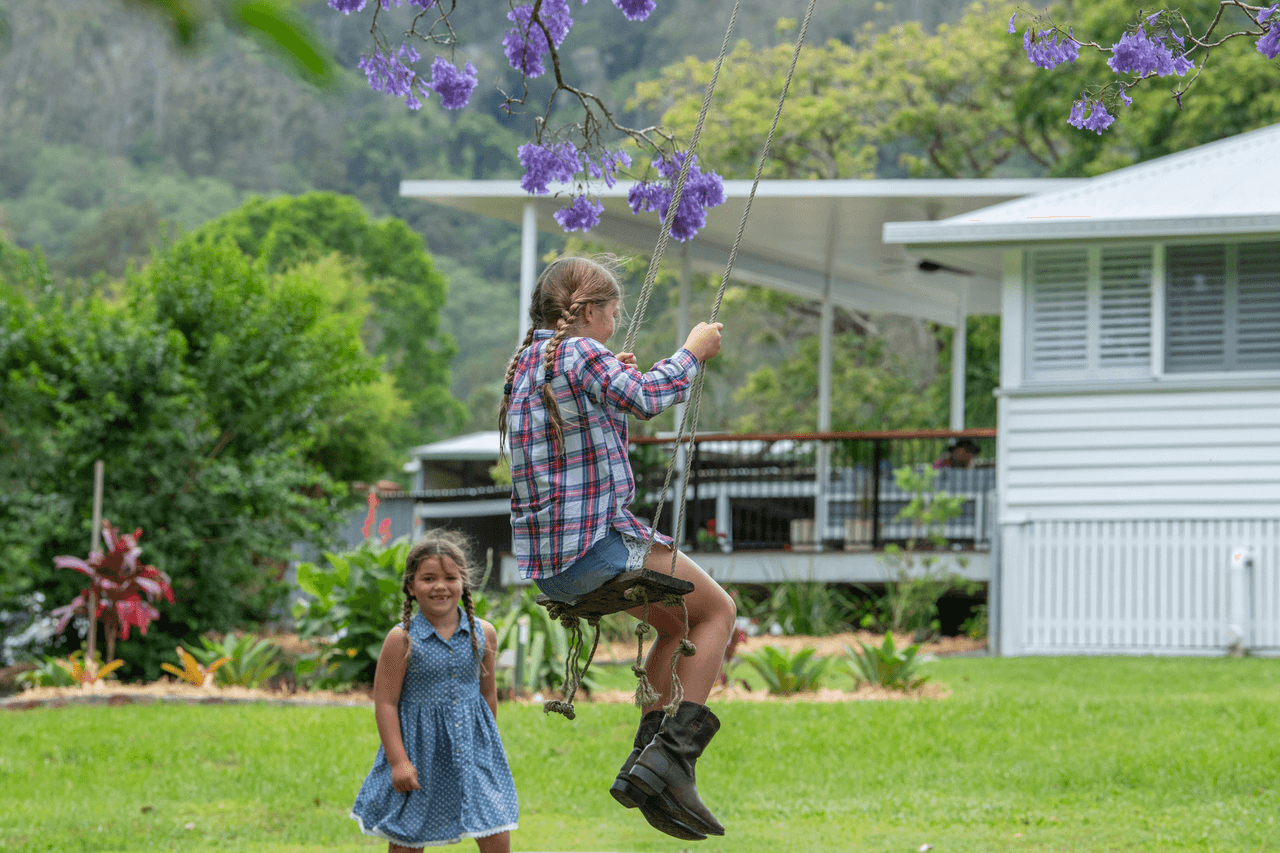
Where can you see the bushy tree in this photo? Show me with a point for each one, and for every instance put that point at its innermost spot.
(405, 289)
(203, 387)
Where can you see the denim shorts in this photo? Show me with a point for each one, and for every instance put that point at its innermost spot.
(612, 555)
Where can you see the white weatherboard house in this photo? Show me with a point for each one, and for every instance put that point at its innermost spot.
(1139, 403)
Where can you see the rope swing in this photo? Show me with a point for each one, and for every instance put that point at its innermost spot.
(643, 586)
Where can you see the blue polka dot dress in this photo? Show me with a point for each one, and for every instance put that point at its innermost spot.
(452, 739)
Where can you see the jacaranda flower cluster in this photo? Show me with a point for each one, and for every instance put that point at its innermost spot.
(1098, 119)
(701, 192)
(1045, 52)
(393, 73)
(526, 42)
(1269, 44)
(1137, 54)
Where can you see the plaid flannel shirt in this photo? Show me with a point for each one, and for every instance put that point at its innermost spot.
(563, 502)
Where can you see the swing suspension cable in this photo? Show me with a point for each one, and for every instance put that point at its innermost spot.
(724, 281)
(575, 668)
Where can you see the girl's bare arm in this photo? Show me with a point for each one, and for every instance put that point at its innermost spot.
(488, 675)
(388, 680)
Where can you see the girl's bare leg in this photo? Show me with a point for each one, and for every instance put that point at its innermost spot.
(711, 617)
(497, 843)
(396, 848)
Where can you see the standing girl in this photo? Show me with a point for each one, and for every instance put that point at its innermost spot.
(441, 773)
(564, 412)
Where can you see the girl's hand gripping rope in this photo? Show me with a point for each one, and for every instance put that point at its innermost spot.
(704, 340)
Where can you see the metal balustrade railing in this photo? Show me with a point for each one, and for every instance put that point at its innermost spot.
(811, 491)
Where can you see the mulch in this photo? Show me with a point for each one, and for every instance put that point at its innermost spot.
(111, 693)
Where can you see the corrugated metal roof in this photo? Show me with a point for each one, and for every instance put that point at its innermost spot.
(1222, 187)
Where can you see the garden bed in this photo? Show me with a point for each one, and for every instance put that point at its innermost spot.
(171, 690)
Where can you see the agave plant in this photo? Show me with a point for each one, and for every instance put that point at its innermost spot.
(783, 673)
(886, 666)
(250, 661)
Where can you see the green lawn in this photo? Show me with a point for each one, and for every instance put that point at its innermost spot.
(1031, 754)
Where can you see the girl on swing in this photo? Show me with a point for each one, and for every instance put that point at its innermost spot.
(564, 413)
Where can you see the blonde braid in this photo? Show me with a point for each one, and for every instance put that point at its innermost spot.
(567, 321)
(507, 388)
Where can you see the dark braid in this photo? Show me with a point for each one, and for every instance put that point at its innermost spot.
(507, 388)
(470, 607)
(406, 611)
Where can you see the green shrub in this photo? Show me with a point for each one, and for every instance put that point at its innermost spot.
(548, 643)
(910, 603)
(886, 666)
(801, 608)
(251, 661)
(783, 673)
(355, 600)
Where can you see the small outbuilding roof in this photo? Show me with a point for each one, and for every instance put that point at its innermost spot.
(1223, 187)
(476, 445)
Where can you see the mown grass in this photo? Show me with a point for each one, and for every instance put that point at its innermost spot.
(1048, 754)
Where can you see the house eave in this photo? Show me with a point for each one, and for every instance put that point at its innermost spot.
(1074, 229)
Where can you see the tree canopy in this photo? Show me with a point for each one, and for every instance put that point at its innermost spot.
(203, 386)
(406, 292)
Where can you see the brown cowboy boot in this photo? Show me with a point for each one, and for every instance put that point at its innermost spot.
(631, 796)
(665, 768)
(623, 789)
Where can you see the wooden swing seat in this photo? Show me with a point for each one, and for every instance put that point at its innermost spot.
(627, 590)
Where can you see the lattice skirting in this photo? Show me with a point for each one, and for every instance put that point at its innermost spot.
(1153, 587)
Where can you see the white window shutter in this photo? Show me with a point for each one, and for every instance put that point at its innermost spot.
(1258, 301)
(1058, 314)
(1124, 323)
(1195, 308)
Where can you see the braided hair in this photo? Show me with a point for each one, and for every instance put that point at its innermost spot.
(564, 289)
(440, 543)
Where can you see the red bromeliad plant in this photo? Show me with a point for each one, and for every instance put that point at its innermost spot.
(122, 586)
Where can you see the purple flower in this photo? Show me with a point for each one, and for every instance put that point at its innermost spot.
(1269, 44)
(1098, 120)
(635, 10)
(555, 14)
(346, 7)
(1132, 53)
(523, 44)
(701, 191)
(1124, 96)
(1138, 54)
(580, 215)
(544, 164)
(453, 86)
(1267, 13)
(1012, 28)
(1044, 52)
(390, 73)
(1076, 119)
(607, 168)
